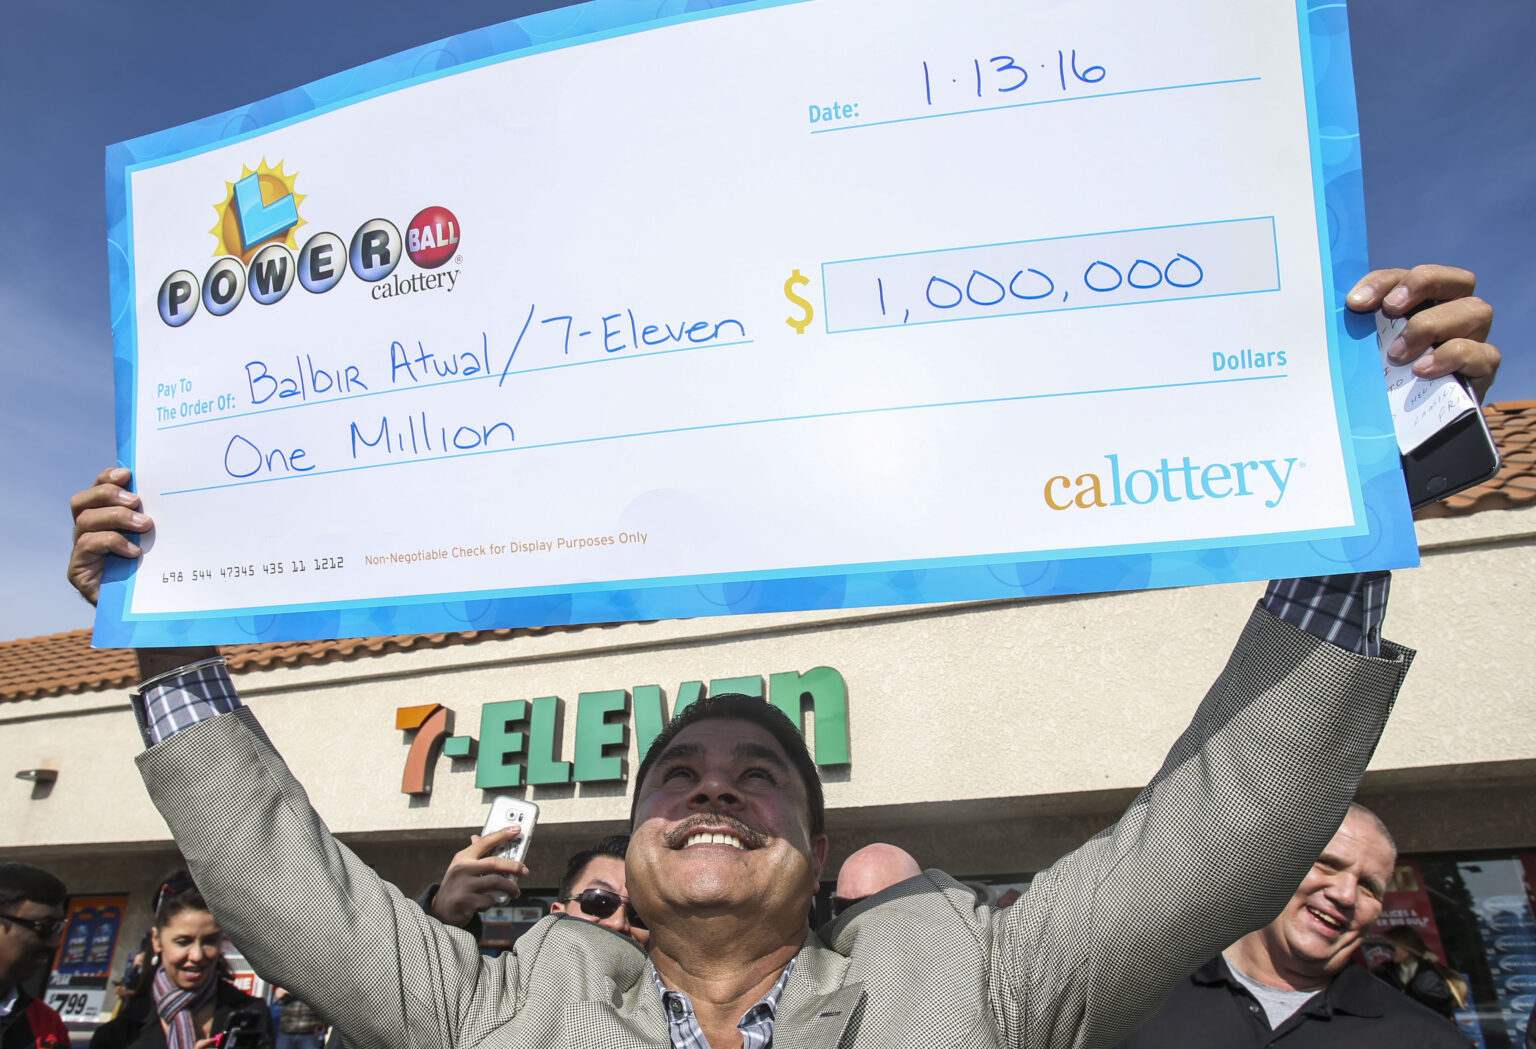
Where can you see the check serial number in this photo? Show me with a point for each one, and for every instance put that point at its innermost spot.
(250, 571)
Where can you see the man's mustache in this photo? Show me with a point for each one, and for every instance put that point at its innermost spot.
(716, 821)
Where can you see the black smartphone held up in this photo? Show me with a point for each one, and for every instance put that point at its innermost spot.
(1460, 454)
(243, 1032)
(1438, 421)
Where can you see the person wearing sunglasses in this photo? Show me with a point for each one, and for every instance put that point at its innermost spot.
(31, 918)
(593, 890)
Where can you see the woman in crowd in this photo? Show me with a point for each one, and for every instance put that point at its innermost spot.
(1418, 973)
(187, 1004)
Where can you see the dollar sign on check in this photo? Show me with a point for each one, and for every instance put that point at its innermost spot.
(801, 323)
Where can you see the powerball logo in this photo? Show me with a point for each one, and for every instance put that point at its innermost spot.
(257, 253)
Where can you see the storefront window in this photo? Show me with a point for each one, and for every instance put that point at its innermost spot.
(1476, 913)
(500, 927)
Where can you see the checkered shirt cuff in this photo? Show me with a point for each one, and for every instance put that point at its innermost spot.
(1343, 610)
(183, 698)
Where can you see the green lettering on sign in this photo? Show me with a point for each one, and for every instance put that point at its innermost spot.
(544, 732)
(500, 746)
(688, 693)
(518, 733)
(825, 691)
(651, 711)
(595, 734)
(747, 686)
(650, 717)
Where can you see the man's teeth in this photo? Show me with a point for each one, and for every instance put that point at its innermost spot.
(1328, 920)
(707, 838)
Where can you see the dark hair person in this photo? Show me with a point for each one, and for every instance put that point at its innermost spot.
(31, 920)
(186, 1001)
(1420, 974)
(594, 886)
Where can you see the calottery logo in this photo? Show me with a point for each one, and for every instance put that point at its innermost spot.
(1171, 481)
(257, 253)
(520, 739)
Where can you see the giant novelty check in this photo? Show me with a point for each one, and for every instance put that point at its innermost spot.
(609, 314)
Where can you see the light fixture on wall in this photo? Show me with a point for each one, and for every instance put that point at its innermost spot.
(41, 777)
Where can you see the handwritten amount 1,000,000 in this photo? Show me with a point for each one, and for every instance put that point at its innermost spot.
(1031, 285)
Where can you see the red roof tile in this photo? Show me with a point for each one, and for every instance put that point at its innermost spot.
(61, 664)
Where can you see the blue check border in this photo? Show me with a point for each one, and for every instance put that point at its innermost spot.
(1381, 536)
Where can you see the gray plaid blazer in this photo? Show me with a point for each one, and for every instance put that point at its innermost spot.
(1211, 849)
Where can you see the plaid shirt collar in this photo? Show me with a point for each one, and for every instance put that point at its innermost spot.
(755, 1025)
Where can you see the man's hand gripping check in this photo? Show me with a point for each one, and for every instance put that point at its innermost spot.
(1449, 336)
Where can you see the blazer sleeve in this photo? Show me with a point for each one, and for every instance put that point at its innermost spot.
(308, 913)
(1210, 850)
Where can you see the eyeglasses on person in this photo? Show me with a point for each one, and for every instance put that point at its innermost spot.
(600, 904)
(44, 930)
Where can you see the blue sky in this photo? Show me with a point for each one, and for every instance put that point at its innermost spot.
(1447, 117)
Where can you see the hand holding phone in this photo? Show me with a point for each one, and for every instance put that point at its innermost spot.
(480, 875)
(507, 811)
(1441, 432)
(1437, 362)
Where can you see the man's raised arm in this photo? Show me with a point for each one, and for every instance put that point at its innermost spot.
(1253, 789)
(307, 912)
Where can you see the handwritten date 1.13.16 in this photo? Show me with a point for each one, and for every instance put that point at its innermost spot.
(268, 568)
(1005, 74)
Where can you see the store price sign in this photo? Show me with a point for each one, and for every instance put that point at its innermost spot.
(757, 307)
(77, 981)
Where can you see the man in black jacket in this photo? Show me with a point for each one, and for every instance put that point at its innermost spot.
(31, 917)
(1292, 983)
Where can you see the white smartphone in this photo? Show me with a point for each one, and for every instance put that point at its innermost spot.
(507, 811)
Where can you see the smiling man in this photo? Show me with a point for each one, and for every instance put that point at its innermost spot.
(728, 845)
(727, 852)
(1294, 982)
(727, 849)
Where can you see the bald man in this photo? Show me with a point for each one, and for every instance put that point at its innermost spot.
(866, 872)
